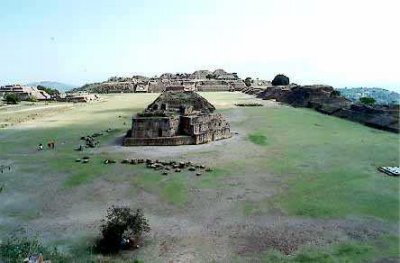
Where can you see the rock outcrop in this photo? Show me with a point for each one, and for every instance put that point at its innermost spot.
(326, 99)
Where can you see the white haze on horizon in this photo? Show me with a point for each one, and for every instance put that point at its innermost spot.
(343, 43)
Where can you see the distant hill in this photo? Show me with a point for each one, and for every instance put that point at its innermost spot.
(382, 96)
(62, 87)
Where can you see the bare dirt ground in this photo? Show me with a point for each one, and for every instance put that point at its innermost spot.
(227, 216)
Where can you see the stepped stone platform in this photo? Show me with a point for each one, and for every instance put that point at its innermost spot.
(177, 117)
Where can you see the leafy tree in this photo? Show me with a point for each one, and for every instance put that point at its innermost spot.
(121, 228)
(50, 91)
(280, 80)
(367, 100)
(11, 98)
(335, 93)
(210, 76)
(248, 82)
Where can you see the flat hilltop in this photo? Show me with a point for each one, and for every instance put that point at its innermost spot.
(291, 185)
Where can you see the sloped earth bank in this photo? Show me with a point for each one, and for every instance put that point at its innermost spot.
(311, 185)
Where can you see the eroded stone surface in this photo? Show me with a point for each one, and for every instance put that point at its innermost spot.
(177, 117)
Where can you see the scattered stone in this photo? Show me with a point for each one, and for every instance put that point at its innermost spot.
(192, 168)
(85, 160)
(198, 174)
(78, 160)
(178, 170)
(165, 173)
(125, 161)
(97, 134)
(392, 171)
(80, 148)
(208, 169)
(248, 104)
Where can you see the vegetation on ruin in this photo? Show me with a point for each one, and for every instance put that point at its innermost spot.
(280, 80)
(248, 81)
(11, 98)
(382, 96)
(367, 100)
(50, 91)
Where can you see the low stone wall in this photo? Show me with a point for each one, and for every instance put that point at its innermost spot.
(214, 87)
(159, 141)
(179, 140)
(212, 136)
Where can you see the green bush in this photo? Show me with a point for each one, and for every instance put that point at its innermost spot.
(280, 80)
(122, 229)
(11, 98)
(16, 249)
(32, 99)
(367, 100)
(50, 91)
(335, 93)
(248, 82)
(210, 76)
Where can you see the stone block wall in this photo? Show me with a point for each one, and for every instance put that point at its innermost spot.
(155, 127)
(161, 141)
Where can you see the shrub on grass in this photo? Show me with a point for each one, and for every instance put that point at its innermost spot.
(32, 99)
(16, 249)
(121, 229)
(11, 98)
(257, 138)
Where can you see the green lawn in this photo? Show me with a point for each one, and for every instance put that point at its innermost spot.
(325, 168)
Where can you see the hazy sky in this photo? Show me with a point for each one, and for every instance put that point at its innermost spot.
(338, 42)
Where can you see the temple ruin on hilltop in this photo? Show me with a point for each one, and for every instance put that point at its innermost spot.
(177, 117)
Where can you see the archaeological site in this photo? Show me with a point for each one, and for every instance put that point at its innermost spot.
(177, 117)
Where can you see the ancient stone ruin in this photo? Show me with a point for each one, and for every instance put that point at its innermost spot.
(177, 117)
(327, 100)
(200, 80)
